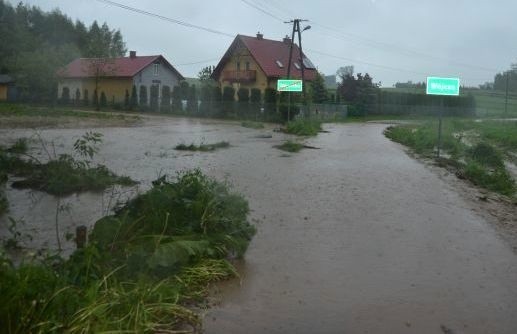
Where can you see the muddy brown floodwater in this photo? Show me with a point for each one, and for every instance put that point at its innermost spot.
(356, 237)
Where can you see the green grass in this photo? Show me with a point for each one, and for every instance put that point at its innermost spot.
(21, 110)
(489, 104)
(252, 125)
(476, 149)
(202, 147)
(290, 146)
(143, 269)
(303, 127)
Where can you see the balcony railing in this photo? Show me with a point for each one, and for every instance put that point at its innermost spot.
(240, 76)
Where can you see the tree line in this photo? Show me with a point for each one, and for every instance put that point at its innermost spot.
(34, 44)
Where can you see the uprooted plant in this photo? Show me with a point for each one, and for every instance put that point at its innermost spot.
(143, 268)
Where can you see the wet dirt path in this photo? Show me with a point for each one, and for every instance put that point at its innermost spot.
(356, 237)
(360, 238)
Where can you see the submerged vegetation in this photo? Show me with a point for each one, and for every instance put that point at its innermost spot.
(252, 125)
(143, 268)
(290, 146)
(303, 127)
(202, 147)
(476, 149)
(62, 174)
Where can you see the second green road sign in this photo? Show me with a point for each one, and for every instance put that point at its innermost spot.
(289, 85)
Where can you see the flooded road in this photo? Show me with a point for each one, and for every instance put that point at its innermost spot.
(356, 237)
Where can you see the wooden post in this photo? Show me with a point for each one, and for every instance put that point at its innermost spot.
(80, 236)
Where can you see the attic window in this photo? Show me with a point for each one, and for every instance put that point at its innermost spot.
(279, 64)
(308, 64)
(297, 66)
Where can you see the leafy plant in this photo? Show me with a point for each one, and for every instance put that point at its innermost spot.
(290, 146)
(303, 127)
(202, 147)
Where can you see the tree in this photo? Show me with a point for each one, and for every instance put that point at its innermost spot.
(65, 95)
(154, 97)
(255, 95)
(95, 100)
(126, 100)
(317, 90)
(184, 90)
(359, 91)
(205, 75)
(192, 99)
(77, 97)
(166, 99)
(228, 94)
(133, 103)
(270, 96)
(86, 100)
(216, 94)
(243, 94)
(103, 100)
(176, 99)
(345, 71)
(143, 96)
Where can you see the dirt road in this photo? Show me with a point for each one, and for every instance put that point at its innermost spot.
(356, 237)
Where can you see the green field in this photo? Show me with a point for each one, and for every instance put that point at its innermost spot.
(489, 103)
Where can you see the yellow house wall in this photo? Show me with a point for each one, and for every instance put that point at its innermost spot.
(114, 88)
(3, 92)
(244, 56)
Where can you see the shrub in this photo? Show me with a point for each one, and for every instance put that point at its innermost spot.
(126, 100)
(177, 105)
(103, 100)
(192, 99)
(202, 147)
(243, 94)
(166, 99)
(142, 96)
(228, 94)
(303, 127)
(95, 100)
(86, 100)
(270, 95)
(154, 98)
(290, 146)
(77, 96)
(256, 95)
(134, 99)
(65, 95)
(486, 155)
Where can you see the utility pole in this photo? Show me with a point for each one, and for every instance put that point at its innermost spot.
(506, 98)
(296, 29)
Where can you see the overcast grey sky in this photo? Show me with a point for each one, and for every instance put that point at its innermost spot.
(393, 40)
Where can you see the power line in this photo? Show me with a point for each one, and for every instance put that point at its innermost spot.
(164, 18)
(262, 10)
(396, 48)
(199, 62)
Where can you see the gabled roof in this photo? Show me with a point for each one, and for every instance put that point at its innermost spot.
(123, 67)
(5, 79)
(266, 53)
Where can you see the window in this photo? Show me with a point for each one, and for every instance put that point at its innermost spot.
(247, 66)
(308, 64)
(238, 66)
(297, 66)
(279, 64)
(155, 69)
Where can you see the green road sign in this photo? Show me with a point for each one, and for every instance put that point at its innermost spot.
(289, 85)
(443, 86)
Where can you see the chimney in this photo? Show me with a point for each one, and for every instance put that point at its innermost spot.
(259, 35)
(287, 40)
(132, 54)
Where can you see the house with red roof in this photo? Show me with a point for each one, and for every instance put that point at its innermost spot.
(256, 62)
(115, 76)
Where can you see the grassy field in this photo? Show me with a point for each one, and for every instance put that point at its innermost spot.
(488, 103)
(477, 150)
